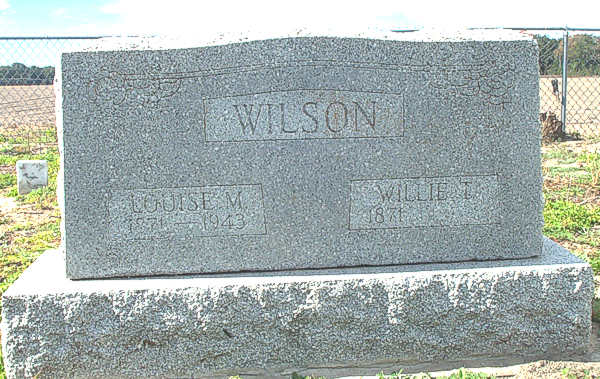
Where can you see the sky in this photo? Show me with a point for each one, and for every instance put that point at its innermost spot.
(188, 17)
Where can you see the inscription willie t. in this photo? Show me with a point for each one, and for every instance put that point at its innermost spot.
(423, 202)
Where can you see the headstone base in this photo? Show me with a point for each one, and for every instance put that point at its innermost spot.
(335, 322)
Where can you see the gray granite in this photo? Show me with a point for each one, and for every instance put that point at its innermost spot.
(299, 152)
(31, 174)
(336, 321)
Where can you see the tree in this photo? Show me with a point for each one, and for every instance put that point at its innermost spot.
(549, 61)
(20, 74)
(584, 55)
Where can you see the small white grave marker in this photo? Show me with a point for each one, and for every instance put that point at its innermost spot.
(31, 174)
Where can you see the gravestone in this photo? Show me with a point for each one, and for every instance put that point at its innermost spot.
(299, 153)
(298, 158)
(31, 174)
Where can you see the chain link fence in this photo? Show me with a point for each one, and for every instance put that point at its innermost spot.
(569, 89)
(570, 85)
(27, 64)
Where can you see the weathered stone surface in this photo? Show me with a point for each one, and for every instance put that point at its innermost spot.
(31, 174)
(310, 321)
(304, 152)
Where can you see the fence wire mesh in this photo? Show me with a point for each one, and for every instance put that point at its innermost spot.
(27, 113)
(551, 83)
(27, 97)
(582, 72)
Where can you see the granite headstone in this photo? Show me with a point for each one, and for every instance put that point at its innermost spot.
(306, 152)
(299, 153)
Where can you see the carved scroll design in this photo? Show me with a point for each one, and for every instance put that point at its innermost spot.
(115, 88)
(484, 79)
(492, 85)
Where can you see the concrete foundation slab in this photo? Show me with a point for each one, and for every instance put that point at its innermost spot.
(340, 322)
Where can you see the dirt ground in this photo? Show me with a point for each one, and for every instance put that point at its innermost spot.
(576, 146)
(26, 106)
(555, 369)
(26, 213)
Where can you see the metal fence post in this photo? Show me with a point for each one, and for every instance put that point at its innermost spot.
(563, 107)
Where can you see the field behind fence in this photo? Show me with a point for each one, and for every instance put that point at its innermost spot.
(583, 103)
(27, 96)
(27, 115)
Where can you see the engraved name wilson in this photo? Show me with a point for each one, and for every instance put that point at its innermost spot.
(304, 114)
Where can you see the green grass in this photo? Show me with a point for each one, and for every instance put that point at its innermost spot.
(7, 180)
(13, 140)
(567, 374)
(465, 374)
(563, 220)
(11, 157)
(560, 154)
(587, 171)
(19, 250)
(571, 212)
(592, 164)
(22, 243)
(564, 193)
(296, 376)
(570, 175)
(457, 374)
(596, 310)
(44, 198)
(32, 138)
(555, 171)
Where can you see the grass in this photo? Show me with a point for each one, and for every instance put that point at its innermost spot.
(21, 247)
(7, 180)
(592, 162)
(572, 203)
(562, 154)
(572, 200)
(51, 155)
(457, 374)
(564, 220)
(461, 373)
(567, 374)
(33, 227)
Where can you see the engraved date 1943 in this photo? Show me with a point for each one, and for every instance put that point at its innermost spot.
(206, 222)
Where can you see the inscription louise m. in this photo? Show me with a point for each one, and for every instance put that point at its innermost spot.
(423, 202)
(304, 114)
(189, 212)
